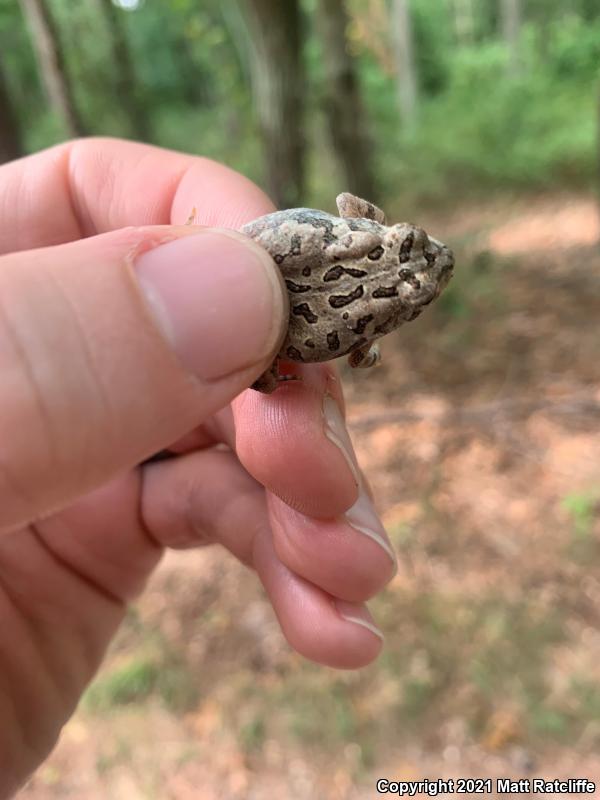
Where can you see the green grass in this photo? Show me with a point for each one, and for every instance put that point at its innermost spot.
(144, 674)
(119, 751)
(455, 656)
(583, 510)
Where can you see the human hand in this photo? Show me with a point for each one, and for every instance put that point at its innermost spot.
(117, 342)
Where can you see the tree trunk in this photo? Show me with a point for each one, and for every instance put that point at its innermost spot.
(598, 152)
(511, 28)
(278, 82)
(405, 66)
(11, 145)
(345, 113)
(51, 64)
(127, 87)
(464, 21)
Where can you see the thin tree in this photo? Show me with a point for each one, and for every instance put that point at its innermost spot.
(464, 20)
(406, 76)
(277, 74)
(510, 14)
(343, 106)
(598, 151)
(127, 86)
(11, 143)
(51, 64)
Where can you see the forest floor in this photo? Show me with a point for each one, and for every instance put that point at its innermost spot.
(480, 434)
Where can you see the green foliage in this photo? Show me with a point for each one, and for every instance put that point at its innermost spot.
(576, 715)
(307, 723)
(478, 128)
(550, 723)
(253, 734)
(432, 44)
(573, 49)
(20, 68)
(120, 751)
(463, 657)
(153, 674)
(486, 131)
(581, 507)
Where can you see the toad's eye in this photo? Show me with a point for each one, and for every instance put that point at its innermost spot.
(415, 241)
(409, 277)
(406, 248)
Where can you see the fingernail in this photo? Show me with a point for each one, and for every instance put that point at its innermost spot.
(217, 298)
(359, 615)
(363, 518)
(336, 432)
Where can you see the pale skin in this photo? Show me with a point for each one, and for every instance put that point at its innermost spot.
(92, 388)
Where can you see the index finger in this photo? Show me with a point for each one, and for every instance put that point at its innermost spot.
(90, 186)
(93, 186)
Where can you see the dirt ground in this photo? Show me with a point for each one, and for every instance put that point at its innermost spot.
(480, 434)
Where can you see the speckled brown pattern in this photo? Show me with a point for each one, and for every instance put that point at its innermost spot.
(350, 279)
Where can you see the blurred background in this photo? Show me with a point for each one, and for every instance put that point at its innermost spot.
(477, 119)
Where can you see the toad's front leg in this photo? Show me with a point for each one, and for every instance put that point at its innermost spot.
(271, 379)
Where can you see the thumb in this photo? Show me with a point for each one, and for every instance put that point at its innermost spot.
(114, 346)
